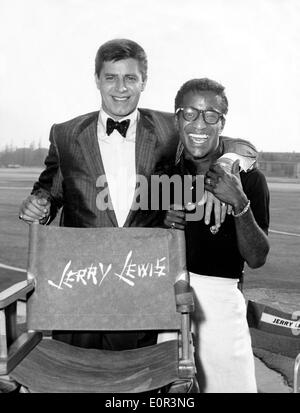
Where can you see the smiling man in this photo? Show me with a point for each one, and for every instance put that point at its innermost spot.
(120, 84)
(215, 259)
(203, 121)
(118, 142)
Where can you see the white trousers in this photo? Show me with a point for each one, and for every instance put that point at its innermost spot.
(223, 352)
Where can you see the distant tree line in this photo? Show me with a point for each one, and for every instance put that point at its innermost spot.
(280, 164)
(23, 156)
(32, 156)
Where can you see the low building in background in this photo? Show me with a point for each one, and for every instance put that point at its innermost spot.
(280, 164)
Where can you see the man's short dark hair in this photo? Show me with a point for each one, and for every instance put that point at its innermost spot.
(200, 85)
(120, 49)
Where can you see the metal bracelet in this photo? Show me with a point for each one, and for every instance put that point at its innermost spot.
(242, 212)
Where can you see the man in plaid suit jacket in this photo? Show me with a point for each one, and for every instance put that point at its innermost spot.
(89, 155)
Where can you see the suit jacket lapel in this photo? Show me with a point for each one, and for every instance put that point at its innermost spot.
(88, 141)
(144, 153)
(145, 145)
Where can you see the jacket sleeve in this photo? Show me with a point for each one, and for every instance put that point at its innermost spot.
(241, 149)
(49, 184)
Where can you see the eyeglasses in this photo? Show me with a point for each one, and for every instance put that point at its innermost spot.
(191, 114)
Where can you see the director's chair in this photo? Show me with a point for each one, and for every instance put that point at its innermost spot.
(276, 331)
(107, 279)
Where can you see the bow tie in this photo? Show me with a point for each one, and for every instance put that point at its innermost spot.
(120, 126)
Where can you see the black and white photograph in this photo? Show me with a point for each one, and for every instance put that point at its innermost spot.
(149, 199)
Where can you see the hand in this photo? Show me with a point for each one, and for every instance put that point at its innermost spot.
(34, 209)
(226, 186)
(219, 209)
(175, 218)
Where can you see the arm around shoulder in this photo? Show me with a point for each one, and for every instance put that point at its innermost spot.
(244, 151)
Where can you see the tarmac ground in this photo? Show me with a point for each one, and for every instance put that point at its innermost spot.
(268, 380)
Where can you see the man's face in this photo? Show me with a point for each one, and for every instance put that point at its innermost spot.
(199, 138)
(120, 84)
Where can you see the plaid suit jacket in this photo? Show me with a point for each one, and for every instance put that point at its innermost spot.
(74, 164)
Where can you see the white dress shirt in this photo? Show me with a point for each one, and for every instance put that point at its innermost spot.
(118, 157)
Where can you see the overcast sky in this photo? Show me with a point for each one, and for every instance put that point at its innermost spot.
(47, 50)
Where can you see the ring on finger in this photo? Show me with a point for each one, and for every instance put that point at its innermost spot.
(173, 225)
(223, 204)
(21, 216)
(208, 181)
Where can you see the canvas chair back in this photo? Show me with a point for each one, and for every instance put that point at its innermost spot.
(104, 278)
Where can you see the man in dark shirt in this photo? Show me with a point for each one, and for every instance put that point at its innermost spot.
(216, 256)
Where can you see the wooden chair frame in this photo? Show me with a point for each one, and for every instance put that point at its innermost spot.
(14, 345)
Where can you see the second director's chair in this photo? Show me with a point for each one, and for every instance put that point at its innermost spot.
(107, 279)
(277, 332)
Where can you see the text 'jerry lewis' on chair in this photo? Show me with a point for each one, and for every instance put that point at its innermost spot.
(107, 279)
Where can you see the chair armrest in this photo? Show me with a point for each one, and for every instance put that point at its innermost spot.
(14, 293)
(185, 302)
(183, 294)
(13, 345)
(18, 350)
(185, 305)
